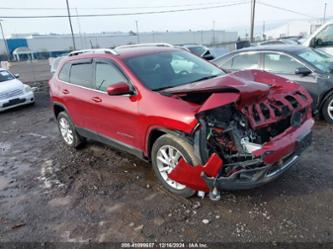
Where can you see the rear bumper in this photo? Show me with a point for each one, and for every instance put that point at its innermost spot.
(271, 161)
(23, 99)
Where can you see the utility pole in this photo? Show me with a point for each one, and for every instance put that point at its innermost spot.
(253, 8)
(137, 31)
(324, 19)
(79, 26)
(4, 40)
(263, 30)
(70, 24)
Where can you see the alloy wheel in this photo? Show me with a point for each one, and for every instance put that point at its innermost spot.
(330, 109)
(167, 159)
(66, 131)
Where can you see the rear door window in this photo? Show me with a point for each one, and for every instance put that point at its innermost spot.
(107, 74)
(81, 73)
(279, 63)
(245, 61)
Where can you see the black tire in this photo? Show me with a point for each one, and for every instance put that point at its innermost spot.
(78, 141)
(328, 114)
(185, 149)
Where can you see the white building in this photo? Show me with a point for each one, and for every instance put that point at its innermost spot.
(294, 28)
(54, 44)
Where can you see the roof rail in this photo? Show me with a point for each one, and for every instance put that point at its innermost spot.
(93, 51)
(159, 44)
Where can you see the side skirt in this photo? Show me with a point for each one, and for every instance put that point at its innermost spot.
(111, 142)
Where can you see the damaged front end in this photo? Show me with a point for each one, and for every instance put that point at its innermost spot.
(245, 141)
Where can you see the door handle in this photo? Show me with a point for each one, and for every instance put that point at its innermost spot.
(65, 91)
(96, 99)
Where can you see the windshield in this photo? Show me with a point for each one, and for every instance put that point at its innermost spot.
(5, 75)
(169, 69)
(319, 60)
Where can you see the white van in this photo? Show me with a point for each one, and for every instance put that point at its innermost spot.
(322, 38)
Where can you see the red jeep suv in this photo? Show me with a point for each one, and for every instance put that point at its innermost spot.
(202, 130)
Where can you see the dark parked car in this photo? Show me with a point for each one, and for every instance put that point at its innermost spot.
(278, 42)
(310, 68)
(198, 50)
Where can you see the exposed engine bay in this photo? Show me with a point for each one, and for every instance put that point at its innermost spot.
(229, 134)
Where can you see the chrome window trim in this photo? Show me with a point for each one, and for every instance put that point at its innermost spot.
(94, 89)
(261, 67)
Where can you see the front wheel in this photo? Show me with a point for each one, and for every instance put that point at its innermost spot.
(166, 153)
(327, 110)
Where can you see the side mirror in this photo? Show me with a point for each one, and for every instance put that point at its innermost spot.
(17, 75)
(303, 71)
(208, 57)
(120, 88)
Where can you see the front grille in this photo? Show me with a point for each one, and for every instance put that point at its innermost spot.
(276, 107)
(10, 94)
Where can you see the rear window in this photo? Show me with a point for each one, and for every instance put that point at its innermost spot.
(81, 74)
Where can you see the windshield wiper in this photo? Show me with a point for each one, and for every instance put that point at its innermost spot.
(206, 78)
(162, 88)
(203, 78)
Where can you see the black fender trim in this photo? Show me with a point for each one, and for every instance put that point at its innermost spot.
(177, 133)
(55, 103)
(327, 95)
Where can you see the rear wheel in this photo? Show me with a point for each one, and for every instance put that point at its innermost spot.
(166, 153)
(68, 132)
(327, 110)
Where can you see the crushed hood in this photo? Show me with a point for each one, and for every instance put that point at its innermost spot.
(242, 82)
(261, 96)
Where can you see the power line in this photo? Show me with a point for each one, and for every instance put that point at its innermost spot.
(124, 14)
(116, 8)
(285, 9)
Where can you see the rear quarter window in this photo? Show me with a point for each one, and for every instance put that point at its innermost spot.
(64, 73)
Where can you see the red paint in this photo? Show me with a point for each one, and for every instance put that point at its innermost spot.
(255, 87)
(217, 100)
(118, 89)
(190, 176)
(284, 144)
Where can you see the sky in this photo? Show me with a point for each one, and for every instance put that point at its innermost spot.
(236, 17)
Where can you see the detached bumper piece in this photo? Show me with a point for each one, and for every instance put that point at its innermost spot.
(268, 163)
